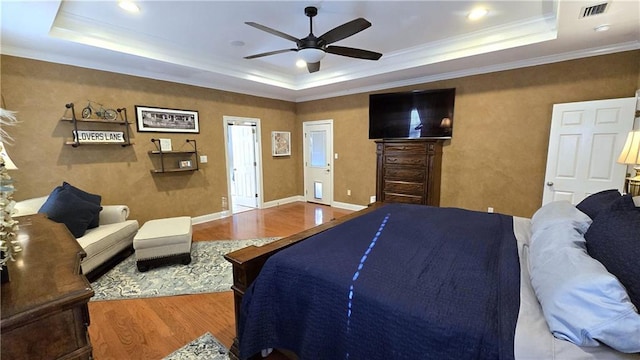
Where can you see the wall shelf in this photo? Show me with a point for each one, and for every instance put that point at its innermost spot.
(103, 133)
(172, 161)
(120, 122)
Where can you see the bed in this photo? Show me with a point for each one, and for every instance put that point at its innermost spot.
(399, 281)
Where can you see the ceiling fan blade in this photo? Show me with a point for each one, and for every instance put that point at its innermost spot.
(313, 67)
(269, 53)
(273, 31)
(354, 53)
(345, 30)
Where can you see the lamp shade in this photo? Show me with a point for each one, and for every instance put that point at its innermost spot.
(631, 152)
(311, 55)
(8, 164)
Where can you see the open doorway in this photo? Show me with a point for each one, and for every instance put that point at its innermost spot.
(244, 166)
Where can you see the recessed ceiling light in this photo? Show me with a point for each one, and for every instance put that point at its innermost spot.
(601, 28)
(477, 13)
(129, 6)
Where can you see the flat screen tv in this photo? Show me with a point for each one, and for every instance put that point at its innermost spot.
(413, 114)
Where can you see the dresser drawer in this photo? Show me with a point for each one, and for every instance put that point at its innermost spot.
(404, 174)
(405, 188)
(400, 198)
(407, 148)
(396, 159)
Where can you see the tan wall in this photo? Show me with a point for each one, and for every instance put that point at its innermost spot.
(39, 90)
(497, 156)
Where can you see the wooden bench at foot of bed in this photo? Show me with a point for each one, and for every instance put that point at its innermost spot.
(247, 262)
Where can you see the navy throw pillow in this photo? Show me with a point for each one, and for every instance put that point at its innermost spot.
(92, 198)
(63, 206)
(594, 203)
(614, 239)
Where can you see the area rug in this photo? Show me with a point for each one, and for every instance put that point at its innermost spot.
(208, 272)
(206, 347)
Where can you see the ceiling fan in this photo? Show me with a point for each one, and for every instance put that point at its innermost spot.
(312, 49)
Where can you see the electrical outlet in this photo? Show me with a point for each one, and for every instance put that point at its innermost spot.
(489, 209)
(372, 199)
(348, 192)
(203, 159)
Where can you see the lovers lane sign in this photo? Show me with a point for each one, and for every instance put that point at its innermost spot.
(97, 136)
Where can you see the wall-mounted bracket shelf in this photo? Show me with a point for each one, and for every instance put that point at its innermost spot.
(98, 137)
(183, 160)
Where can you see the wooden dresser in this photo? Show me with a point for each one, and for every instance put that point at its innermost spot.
(44, 305)
(408, 171)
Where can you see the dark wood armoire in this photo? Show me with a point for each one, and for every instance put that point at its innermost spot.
(408, 171)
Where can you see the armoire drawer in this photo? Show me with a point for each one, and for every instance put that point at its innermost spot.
(405, 188)
(412, 160)
(401, 198)
(404, 174)
(406, 148)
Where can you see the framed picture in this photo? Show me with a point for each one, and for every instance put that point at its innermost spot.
(185, 164)
(166, 120)
(281, 143)
(165, 145)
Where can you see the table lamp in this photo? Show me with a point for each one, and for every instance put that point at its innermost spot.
(631, 156)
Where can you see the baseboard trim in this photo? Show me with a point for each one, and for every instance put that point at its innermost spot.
(210, 217)
(347, 206)
(278, 202)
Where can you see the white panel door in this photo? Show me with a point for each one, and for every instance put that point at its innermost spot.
(584, 143)
(318, 161)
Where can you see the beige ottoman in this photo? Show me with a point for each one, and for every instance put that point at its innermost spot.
(163, 241)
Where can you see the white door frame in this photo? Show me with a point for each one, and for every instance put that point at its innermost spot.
(258, 149)
(330, 157)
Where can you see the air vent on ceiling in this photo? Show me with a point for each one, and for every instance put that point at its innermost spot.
(593, 10)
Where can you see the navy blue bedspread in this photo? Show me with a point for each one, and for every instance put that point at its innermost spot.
(402, 282)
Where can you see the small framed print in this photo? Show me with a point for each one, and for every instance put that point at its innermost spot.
(185, 164)
(165, 144)
(281, 143)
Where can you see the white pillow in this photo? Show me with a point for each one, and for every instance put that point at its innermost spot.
(560, 212)
(581, 301)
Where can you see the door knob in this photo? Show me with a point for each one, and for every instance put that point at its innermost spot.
(549, 183)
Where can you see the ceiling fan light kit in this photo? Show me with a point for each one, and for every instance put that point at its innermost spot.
(312, 49)
(311, 55)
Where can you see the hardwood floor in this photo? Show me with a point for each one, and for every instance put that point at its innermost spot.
(153, 328)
